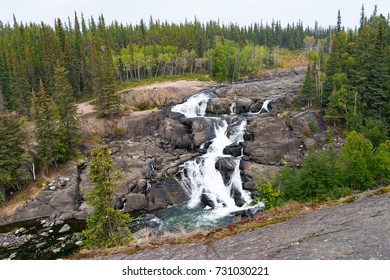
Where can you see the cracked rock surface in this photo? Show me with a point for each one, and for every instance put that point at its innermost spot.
(358, 230)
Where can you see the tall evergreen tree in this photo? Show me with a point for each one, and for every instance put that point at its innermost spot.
(105, 226)
(308, 92)
(63, 97)
(378, 89)
(50, 135)
(12, 143)
(108, 100)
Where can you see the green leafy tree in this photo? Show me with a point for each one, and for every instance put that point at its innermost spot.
(344, 108)
(356, 162)
(269, 195)
(375, 131)
(219, 62)
(382, 163)
(105, 226)
(317, 178)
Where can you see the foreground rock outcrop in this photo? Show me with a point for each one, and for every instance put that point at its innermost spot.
(354, 231)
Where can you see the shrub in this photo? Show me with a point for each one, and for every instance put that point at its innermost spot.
(270, 196)
(313, 125)
(317, 178)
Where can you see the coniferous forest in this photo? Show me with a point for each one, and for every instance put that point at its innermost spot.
(46, 69)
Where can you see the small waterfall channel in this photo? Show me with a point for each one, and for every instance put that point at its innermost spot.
(213, 179)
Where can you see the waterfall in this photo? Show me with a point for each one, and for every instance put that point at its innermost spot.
(219, 194)
(195, 106)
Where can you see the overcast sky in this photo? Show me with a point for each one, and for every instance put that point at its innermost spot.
(243, 12)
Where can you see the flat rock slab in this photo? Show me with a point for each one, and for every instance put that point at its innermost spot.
(358, 230)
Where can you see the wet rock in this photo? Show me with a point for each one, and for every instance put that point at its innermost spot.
(234, 150)
(243, 105)
(146, 221)
(249, 212)
(135, 201)
(237, 196)
(206, 200)
(202, 130)
(226, 167)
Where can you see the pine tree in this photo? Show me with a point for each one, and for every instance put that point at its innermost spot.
(19, 85)
(103, 74)
(308, 92)
(105, 226)
(50, 135)
(12, 142)
(63, 97)
(378, 87)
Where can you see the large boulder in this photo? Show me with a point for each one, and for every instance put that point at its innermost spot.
(134, 202)
(234, 150)
(219, 106)
(166, 192)
(273, 141)
(202, 130)
(252, 173)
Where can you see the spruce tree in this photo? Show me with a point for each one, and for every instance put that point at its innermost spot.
(378, 88)
(105, 226)
(12, 142)
(50, 134)
(63, 97)
(308, 92)
(103, 74)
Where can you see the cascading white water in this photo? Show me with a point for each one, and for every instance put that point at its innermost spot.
(201, 176)
(233, 108)
(214, 178)
(195, 106)
(263, 107)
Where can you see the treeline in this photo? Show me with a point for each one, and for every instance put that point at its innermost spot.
(352, 85)
(30, 52)
(353, 82)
